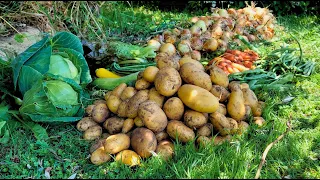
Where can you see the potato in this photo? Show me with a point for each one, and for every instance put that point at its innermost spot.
(188, 59)
(165, 149)
(198, 99)
(152, 116)
(222, 124)
(128, 157)
(243, 127)
(116, 143)
(113, 103)
(100, 113)
(89, 109)
(167, 81)
(244, 85)
(156, 97)
(259, 121)
(203, 140)
(135, 101)
(222, 109)
(93, 132)
(143, 141)
(257, 111)
(99, 156)
(205, 130)
(162, 136)
(97, 144)
(174, 108)
(140, 75)
(119, 90)
(114, 125)
(127, 93)
(164, 60)
(220, 92)
(127, 125)
(85, 123)
(106, 96)
(176, 129)
(248, 116)
(122, 109)
(99, 101)
(191, 75)
(217, 140)
(236, 107)
(234, 85)
(218, 76)
(142, 84)
(138, 121)
(150, 73)
(194, 119)
(105, 135)
(250, 98)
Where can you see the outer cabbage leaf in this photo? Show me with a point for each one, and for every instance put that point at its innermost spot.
(67, 40)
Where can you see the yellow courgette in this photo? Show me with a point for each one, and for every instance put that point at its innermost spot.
(104, 73)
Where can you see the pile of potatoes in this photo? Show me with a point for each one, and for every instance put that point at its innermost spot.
(175, 100)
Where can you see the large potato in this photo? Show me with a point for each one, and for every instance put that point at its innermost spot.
(99, 156)
(165, 149)
(223, 124)
(220, 92)
(205, 130)
(89, 109)
(142, 84)
(249, 97)
(162, 136)
(174, 108)
(167, 81)
(188, 59)
(127, 93)
(116, 143)
(113, 103)
(135, 101)
(119, 90)
(100, 113)
(164, 60)
(128, 157)
(198, 99)
(176, 129)
(97, 144)
(93, 132)
(85, 123)
(114, 124)
(143, 141)
(127, 125)
(122, 109)
(194, 119)
(156, 97)
(236, 107)
(218, 76)
(152, 116)
(150, 73)
(191, 75)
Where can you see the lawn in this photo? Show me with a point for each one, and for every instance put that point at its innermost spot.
(65, 154)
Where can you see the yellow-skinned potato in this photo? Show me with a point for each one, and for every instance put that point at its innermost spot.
(99, 156)
(248, 115)
(142, 84)
(119, 89)
(114, 125)
(205, 130)
(181, 131)
(257, 111)
(162, 136)
(244, 85)
(198, 99)
(93, 132)
(106, 96)
(89, 109)
(138, 121)
(135, 101)
(218, 76)
(167, 81)
(220, 92)
(150, 73)
(243, 127)
(217, 140)
(188, 59)
(191, 75)
(128, 157)
(164, 60)
(100, 113)
(233, 124)
(174, 108)
(203, 141)
(249, 97)
(85, 123)
(259, 121)
(99, 101)
(127, 125)
(127, 93)
(234, 85)
(143, 141)
(113, 103)
(116, 143)
(152, 116)
(122, 109)
(165, 149)
(222, 109)
(97, 144)
(156, 97)
(194, 119)
(222, 124)
(236, 107)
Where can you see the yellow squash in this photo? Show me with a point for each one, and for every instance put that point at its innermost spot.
(104, 73)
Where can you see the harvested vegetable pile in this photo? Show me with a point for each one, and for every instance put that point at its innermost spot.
(168, 102)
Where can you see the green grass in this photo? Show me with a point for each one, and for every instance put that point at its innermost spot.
(295, 156)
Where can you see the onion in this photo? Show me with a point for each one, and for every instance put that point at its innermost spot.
(222, 43)
(227, 35)
(154, 44)
(265, 19)
(184, 47)
(194, 19)
(206, 20)
(217, 32)
(196, 55)
(251, 37)
(171, 39)
(232, 12)
(176, 32)
(196, 43)
(210, 44)
(158, 38)
(166, 33)
(185, 34)
(202, 25)
(223, 13)
(249, 11)
(195, 30)
(260, 12)
(168, 48)
(206, 35)
(215, 15)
